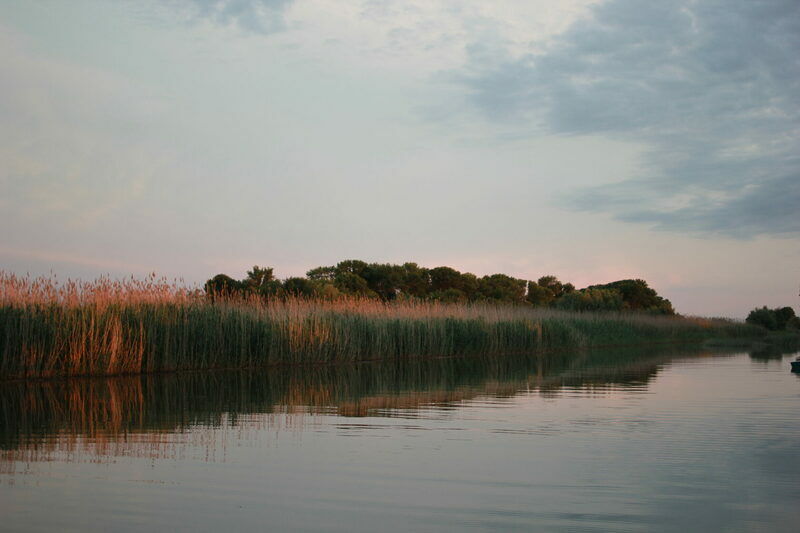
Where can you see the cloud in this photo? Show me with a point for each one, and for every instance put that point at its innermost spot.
(765, 208)
(257, 16)
(713, 88)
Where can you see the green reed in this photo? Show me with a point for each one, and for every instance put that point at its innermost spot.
(91, 338)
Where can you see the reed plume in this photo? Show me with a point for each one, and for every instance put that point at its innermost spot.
(108, 327)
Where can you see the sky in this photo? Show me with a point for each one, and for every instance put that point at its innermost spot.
(593, 140)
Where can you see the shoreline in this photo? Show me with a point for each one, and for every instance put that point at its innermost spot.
(536, 330)
(345, 363)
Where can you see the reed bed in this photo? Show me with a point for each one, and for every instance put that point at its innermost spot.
(109, 327)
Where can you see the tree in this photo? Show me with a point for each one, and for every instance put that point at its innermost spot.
(384, 279)
(637, 296)
(763, 317)
(416, 280)
(539, 296)
(222, 285)
(777, 319)
(591, 300)
(552, 284)
(350, 283)
(443, 278)
(389, 281)
(469, 284)
(450, 295)
(258, 278)
(324, 273)
(502, 288)
(352, 266)
(328, 291)
(259, 281)
(785, 316)
(299, 287)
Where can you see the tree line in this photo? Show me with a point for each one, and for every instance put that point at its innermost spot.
(777, 319)
(391, 282)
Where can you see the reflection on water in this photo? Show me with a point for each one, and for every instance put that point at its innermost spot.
(619, 439)
(775, 351)
(109, 415)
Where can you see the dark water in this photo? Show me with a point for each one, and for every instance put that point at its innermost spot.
(646, 440)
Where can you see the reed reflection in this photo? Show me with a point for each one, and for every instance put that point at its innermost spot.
(160, 416)
(775, 350)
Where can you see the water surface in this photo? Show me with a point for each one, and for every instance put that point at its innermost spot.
(629, 440)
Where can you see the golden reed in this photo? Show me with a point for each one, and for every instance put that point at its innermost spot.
(52, 328)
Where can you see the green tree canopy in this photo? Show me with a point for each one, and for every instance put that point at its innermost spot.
(389, 281)
(416, 280)
(502, 288)
(638, 296)
(222, 285)
(557, 288)
(776, 319)
(591, 300)
(299, 287)
(258, 278)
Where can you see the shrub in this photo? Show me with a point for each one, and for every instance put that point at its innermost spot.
(778, 319)
(591, 300)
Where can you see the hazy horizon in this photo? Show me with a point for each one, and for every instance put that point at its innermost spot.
(592, 140)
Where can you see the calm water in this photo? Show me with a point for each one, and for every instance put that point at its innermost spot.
(620, 441)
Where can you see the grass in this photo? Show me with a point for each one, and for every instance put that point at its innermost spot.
(108, 327)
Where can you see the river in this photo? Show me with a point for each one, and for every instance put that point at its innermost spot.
(657, 439)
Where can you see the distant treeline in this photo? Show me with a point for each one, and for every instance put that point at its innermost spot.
(777, 319)
(409, 280)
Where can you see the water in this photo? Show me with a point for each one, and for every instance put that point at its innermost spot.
(646, 440)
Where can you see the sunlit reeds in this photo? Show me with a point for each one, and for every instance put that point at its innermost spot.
(107, 327)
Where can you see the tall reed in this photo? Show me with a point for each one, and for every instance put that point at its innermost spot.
(109, 327)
